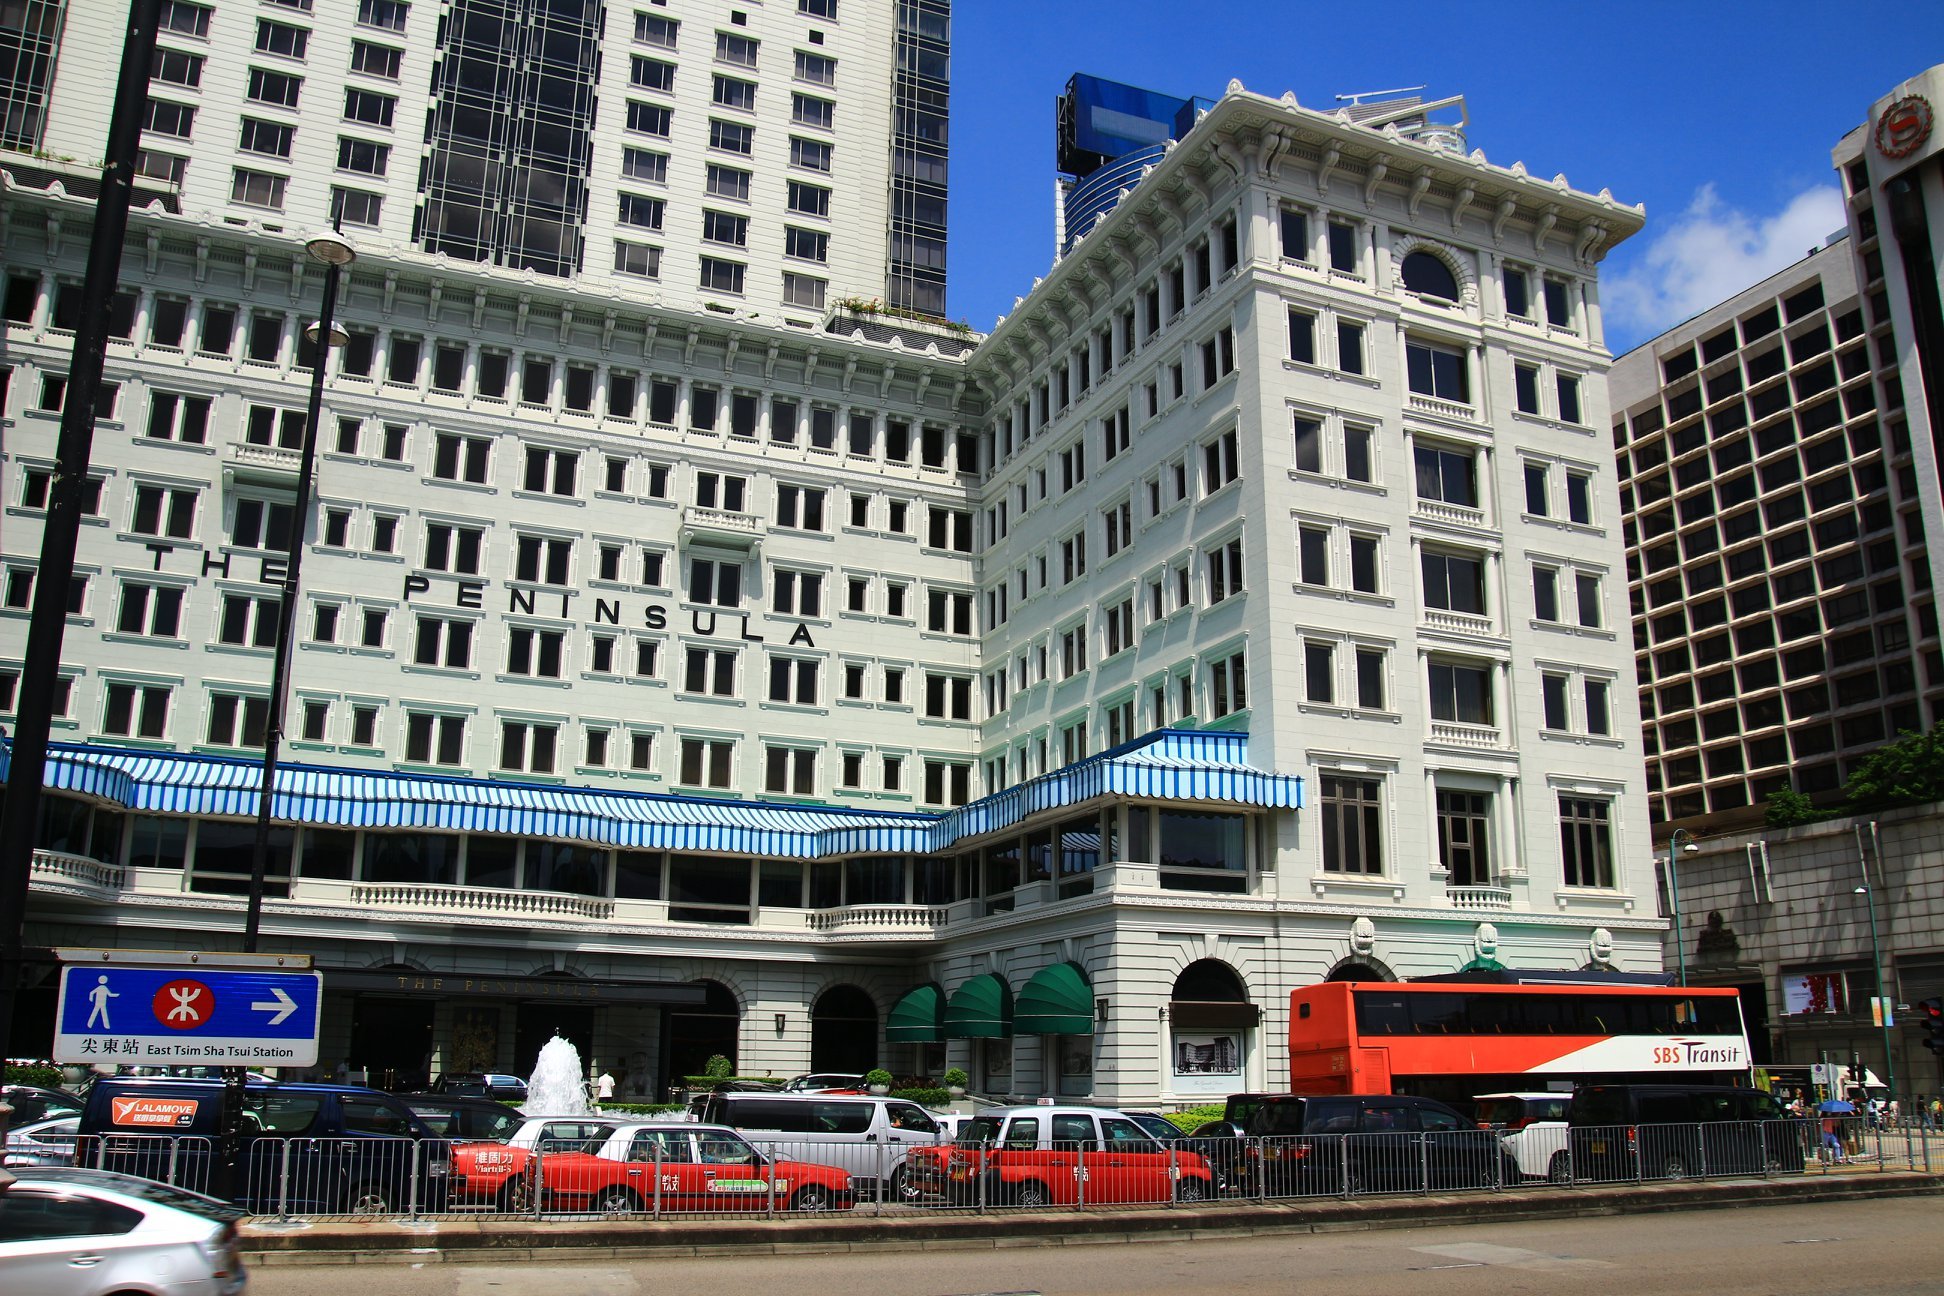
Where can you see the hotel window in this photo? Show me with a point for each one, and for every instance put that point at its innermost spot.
(641, 751)
(659, 32)
(374, 622)
(1350, 347)
(1545, 593)
(637, 259)
(732, 138)
(1559, 306)
(722, 182)
(1525, 388)
(717, 491)
(710, 671)
(454, 549)
(797, 593)
(136, 710)
(152, 611)
(247, 621)
(651, 74)
(1343, 247)
(810, 155)
(790, 770)
(1587, 589)
(716, 583)
(1228, 681)
(1448, 476)
(434, 739)
(1319, 671)
(369, 108)
(272, 139)
(952, 529)
(815, 68)
(648, 119)
(281, 39)
(1454, 582)
(376, 60)
(260, 524)
(949, 697)
(236, 721)
(1370, 678)
(273, 88)
(946, 782)
(807, 110)
(163, 511)
(1220, 462)
(1464, 821)
(800, 507)
(1313, 555)
(1579, 498)
(184, 18)
(1569, 398)
(1552, 696)
(793, 679)
(1218, 357)
(542, 559)
(388, 15)
(1436, 370)
(706, 763)
(739, 51)
(528, 747)
(1363, 563)
(257, 189)
(1225, 571)
(802, 290)
(949, 612)
(1353, 831)
(535, 653)
(1599, 719)
(1461, 693)
(460, 458)
(733, 93)
(806, 245)
(1294, 231)
(809, 199)
(1586, 841)
(164, 118)
(1518, 293)
(641, 212)
(721, 276)
(1302, 337)
(441, 641)
(551, 472)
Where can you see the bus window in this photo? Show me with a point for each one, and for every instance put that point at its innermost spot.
(1439, 1014)
(1379, 1013)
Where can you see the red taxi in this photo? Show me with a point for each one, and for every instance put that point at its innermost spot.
(1048, 1156)
(493, 1174)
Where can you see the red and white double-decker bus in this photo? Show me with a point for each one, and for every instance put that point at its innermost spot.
(1450, 1040)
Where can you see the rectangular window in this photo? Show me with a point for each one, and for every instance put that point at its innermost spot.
(1598, 716)
(1220, 462)
(648, 119)
(1363, 563)
(651, 74)
(1446, 476)
(706, 763)
(441, 642)
(717, 584)
(274, 88)
(791, 771)
(456, 549)
(272, 139)
(1552, 695)
(659, 32)
(1302, 337)
(810, 155)
(1352, 824)
(1586, 841)
(640, 211)
(460, 458)
(1461, 693)
(1343, 247)
(376, 60)
(721, 276)
(435, 739)
(369, 107)
(535, 653)
(808, 110)
(1559, 308)
(164, 118)
(1319, 671)
(793, 680)
(733, 92)
(1294, 231)
(542, 560)
(153, 611)
(363, 156)
(1228, 686)
(1579, 498)
(1436, 371)
(1525, 388)
(711, 671)
(1370, 679)
(257, 189)
(247, 622)
(1569, 399)
(805, 245)
(730, 137)
(178, 418)
(1350, 347)
(803, 290)
(528, 747)
(1587, 588)
(1545, 593)
(1313, 555)
(637, 259)
(136, 711)
(1518, 293)
(281, 39)
(727, 182)
(1454, 582)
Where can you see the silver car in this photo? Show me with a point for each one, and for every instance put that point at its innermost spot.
(43, 1143)
(74, 1232)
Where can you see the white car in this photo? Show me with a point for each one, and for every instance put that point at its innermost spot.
(73, 1232)
(564, 1133)
(1532, 1129)
(42, 1143)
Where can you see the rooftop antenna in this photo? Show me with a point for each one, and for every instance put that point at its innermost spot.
(1361, 95)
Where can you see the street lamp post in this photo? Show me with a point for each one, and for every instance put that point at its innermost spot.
(1674, 848)
(335, 253)
(1868, 893)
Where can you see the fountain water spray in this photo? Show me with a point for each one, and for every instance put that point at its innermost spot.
(558, 1086)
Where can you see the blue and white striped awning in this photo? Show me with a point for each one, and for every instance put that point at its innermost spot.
(1169, 765)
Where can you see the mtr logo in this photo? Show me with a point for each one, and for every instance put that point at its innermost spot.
(1904, 126)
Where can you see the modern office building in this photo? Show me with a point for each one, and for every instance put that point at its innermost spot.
(1779, 476)
(693, 673)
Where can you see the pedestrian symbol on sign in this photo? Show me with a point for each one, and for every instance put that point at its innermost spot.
(184, 1005)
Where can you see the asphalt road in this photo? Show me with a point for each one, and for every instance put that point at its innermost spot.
(1861, 1248)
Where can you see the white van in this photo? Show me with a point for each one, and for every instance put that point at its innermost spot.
(867, 1136)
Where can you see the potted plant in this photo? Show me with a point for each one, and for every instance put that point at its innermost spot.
(878, 1080)
(955, 1079)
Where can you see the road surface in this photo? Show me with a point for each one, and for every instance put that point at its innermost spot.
(1858, 1248)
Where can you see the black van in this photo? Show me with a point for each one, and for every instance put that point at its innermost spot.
(1364, 1143)
(307, 1148)
(1665, 1131)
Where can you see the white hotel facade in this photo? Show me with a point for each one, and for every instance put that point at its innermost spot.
(692, 659)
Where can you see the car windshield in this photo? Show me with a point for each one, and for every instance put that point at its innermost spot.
(1500, 1111)
(980, 1129)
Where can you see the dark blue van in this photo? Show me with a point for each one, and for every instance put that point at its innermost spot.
(307, 1148)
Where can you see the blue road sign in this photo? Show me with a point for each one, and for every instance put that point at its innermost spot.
(174, 1016)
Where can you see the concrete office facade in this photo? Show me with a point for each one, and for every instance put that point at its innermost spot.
(648, 645)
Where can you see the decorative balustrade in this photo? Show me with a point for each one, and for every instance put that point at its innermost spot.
(1479, 897)
(1439, 511)
(1457, 622)
(274, 458)
(717, 524)
(80, 870)
(862, 918)
(1464, 735)
(479, 900)
(1442, 408)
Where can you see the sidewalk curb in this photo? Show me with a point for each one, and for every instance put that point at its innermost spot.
(501, 1240)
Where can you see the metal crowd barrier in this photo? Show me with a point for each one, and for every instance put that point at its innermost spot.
(285, 1178)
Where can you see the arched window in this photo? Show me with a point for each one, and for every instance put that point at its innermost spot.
(1428, 275)
(843, 1031)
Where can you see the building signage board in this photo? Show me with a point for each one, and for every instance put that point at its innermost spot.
(187, 1015)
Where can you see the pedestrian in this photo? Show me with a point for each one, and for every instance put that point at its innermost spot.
(604, 1087)
(1832, 1144)
(1895, 1113)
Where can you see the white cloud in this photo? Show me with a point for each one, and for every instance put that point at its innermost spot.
(1709, 253)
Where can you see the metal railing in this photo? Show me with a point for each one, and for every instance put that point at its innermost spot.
(673, 1176)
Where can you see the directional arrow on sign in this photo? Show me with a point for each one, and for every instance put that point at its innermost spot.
(283, 1006)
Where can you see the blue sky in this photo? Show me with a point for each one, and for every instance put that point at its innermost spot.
(1717, 114)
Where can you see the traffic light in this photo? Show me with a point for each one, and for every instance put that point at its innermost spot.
(1933, 1010)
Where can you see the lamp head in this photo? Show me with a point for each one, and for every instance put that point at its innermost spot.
(331, 248)
(1862, 890)
(1692, 847)
(337, 338)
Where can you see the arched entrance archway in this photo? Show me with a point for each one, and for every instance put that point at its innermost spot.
(691, 1036)
(1360, 970)
(844, 1031)
(391, 1036)
(1211, 1029)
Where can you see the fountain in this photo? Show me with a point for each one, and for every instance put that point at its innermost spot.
(557, 1086)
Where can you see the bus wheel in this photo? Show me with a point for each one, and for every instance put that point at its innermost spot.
(1560, 1168)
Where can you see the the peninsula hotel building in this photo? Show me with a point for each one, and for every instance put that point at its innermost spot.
(705, 648)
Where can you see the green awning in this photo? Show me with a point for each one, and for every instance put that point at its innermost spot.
(1057, 1001)
(918, 1018)
(980, 1009)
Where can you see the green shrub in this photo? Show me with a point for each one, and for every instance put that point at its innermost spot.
(641, 1109)
(956, 1076)
(877, 1076)
(1191, 1119)
(39, 1074)
(924, 1097)
(719, 1067)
